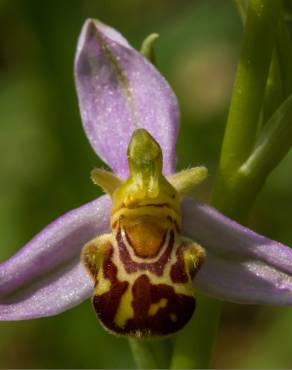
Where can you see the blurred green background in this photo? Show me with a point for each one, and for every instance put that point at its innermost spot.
(45, 160)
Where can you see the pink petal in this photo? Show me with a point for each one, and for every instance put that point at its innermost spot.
(119, 91)
(49, 260)
(241, 265)
(56, 292)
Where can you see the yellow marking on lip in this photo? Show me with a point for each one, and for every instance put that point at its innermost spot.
(103, 285)
(155, 307)
(125, 310)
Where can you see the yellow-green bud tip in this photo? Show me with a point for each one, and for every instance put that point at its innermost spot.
(144, 152)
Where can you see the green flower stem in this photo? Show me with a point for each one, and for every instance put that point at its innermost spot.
(154, 354)
(242, 6)
(194, 351)
(143, 354)
(162, 350)
(274, 90)
(284, 51)
(233, 194)
(246, 104)
(281, 62)
(272, 145)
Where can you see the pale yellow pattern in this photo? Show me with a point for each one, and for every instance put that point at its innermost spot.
(155, 307)
(125, 310)
(104, 285)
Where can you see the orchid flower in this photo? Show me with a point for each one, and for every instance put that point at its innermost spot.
(127, 107)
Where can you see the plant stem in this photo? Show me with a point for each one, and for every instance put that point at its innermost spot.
(284, 51)
(274, 90)
(242, 6)
(162, 350)
(282, 60)
(151, 354)
(186, 344)
(142, 354)
(231, 195)
(246, 103)
(272, 145)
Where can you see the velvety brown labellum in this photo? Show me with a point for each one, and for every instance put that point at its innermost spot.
(157, 309)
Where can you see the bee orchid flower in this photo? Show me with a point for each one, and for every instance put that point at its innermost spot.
(142, 249)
